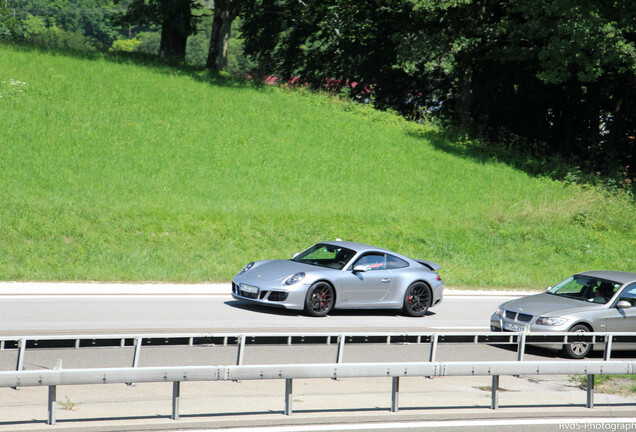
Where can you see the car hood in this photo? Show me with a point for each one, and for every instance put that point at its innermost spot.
(274, 270)
(548, 304)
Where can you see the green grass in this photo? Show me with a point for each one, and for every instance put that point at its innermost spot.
(624, 385)
(116, 170)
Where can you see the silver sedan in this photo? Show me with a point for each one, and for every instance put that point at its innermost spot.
(338, 274)
(594, 301)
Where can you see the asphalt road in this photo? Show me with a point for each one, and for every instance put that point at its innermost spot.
(318, 405)
(38, 314)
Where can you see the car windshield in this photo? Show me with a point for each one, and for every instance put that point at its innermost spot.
(326, 255)
(586, 288)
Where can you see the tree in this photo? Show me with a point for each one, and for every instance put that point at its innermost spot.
(178, 20)
(220, 37)
(556, 77)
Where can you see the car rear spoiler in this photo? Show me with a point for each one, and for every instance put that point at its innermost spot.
(430, 265)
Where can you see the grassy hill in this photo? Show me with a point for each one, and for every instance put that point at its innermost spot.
(116, 170)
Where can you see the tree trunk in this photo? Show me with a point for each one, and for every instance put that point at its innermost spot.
(219, 41)
(175, 29)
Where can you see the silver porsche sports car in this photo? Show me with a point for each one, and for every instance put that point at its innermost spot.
(593, 301)
(338, 274)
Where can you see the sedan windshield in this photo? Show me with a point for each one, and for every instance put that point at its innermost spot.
(325, 255)
(586, 288)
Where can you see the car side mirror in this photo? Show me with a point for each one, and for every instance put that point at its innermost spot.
(359, 269)
(295, 255)
(623, 304)
(548, 289)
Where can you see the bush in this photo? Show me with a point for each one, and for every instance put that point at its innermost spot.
(149, 43)
(125, 45)
(54, 37)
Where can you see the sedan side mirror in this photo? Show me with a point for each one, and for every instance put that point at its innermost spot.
(359, 269)
(548, 289)
(623, 304)
(296, 254)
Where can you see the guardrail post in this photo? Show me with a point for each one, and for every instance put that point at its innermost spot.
(136, 355)
(241, 350)
(522, 346)
(341, 344)
(22, 343)
(288, 396)
(590, 392)
(176, 395)
(51, 405)
(395, 393)
(607, 355)
(433, 354)
(494, 392)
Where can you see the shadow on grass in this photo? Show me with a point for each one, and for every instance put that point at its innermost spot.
(527, 158)
(459, 144)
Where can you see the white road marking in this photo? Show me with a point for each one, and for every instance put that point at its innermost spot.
(433, 425)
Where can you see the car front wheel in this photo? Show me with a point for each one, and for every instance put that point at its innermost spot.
(417, 299)
(320, 299)
(577, 350)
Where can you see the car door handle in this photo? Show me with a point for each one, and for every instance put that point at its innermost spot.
(386, 280)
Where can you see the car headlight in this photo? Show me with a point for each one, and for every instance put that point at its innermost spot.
(247, 267)
(499, 311)
(295, 278)
(549, 321)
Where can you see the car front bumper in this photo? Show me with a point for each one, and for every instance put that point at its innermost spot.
(499, 323)
(276, 296)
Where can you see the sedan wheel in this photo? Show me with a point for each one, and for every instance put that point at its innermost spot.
(417, 299)
(320, 299)
(577, 350)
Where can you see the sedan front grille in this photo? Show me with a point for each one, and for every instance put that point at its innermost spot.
(524, 317)
(518, 316)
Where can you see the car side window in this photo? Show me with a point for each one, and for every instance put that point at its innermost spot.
(393, 262)
(629, 294)
(372, 262)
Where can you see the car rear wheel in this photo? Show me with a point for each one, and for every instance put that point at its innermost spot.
(577, 350)
(320, 299)
(417, 299)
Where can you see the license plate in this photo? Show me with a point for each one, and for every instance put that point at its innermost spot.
(515, 327)
(249, 289)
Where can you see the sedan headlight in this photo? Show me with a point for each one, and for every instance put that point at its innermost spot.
(247, 267)
(295, 278)
(549, 321)
(499, 311)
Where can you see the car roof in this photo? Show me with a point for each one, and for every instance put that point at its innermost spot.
(616, 276)
(358, 247)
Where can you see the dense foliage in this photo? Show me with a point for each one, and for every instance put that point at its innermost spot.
(556, 77)
(84, 23)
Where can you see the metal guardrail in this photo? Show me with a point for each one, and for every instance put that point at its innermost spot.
(176, 375)
(242, 340)
(53, 378)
